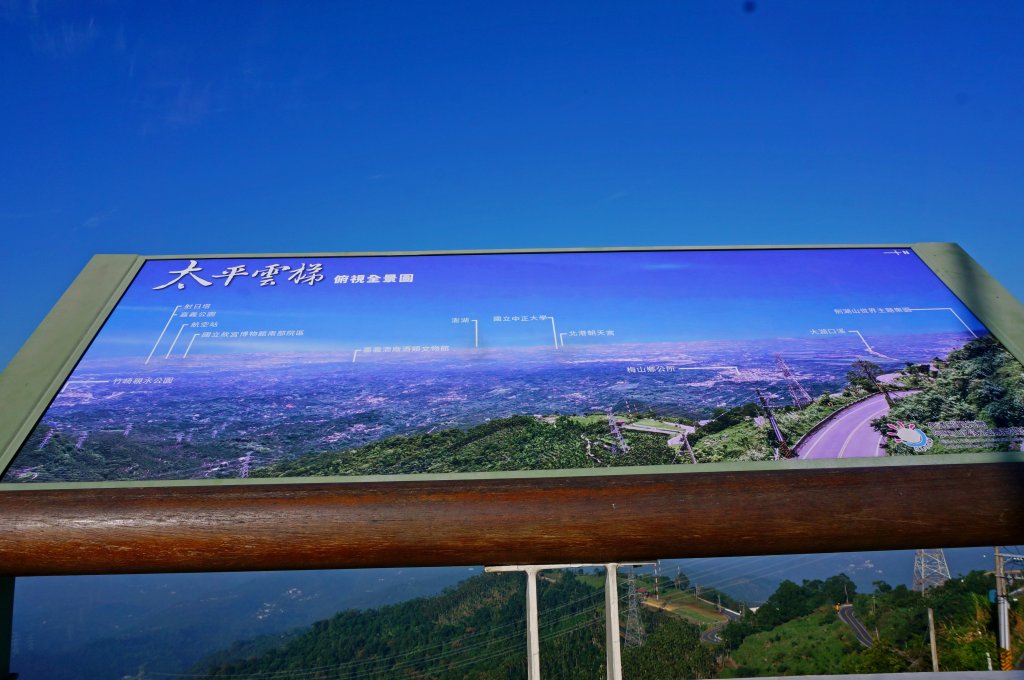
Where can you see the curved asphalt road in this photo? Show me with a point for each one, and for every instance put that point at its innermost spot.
(849, 433)
(710, 635)
(847, 616)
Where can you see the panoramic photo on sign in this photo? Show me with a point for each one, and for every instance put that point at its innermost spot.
(386, 365)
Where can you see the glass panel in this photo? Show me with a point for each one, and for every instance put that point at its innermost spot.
(479, 363)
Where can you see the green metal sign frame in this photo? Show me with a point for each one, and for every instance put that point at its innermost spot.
(38, 371)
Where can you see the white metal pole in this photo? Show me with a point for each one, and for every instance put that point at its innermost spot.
(1004, 630)
(611, 598)
(1003, 615)
(613, 650)
(931, 637)
(533, 627)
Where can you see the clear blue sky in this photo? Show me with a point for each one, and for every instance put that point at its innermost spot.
(245, 127)
(642, 296)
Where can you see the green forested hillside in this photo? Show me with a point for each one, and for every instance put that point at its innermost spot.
(733, 434)
(980, 381)
(789, 601)
(818, 643)
(964, 622)
(798, 631)
(515, 443)
(477, 630)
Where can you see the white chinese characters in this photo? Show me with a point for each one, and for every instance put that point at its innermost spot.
(373, 278)
(304, 274)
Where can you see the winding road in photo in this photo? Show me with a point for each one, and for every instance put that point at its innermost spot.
(710, 636)
(848, 432)
(847, 616)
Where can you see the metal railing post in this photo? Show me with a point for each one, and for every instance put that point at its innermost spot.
(612, 645)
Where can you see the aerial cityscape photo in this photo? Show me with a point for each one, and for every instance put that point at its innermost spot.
(385, 365)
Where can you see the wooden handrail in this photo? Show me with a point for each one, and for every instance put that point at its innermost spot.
(507, 521)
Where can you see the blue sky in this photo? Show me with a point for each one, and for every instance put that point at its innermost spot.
(641, 296)
(374, 127)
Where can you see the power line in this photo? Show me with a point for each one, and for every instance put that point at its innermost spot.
(516, 648)
(546, 623)
(305, 672)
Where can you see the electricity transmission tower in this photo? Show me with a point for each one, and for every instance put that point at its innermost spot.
(779, 437)
(930, 569)
(634, 633)
(623, 446)
(796, 390)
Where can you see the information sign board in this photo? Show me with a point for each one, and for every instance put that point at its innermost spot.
(460, 368)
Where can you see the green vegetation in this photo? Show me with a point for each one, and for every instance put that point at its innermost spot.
(678, 599)
(593, 419)
(658, 422)
(105, 454)
(798, 631)
(477, 630)
(914, 376)
(687, 606)
(790, 601)
(734, 434)
(980, 381)
(515, 443)
(742, 441)
(795, 422)
(864, 375)
(964, 622)
(817, 643)
(672, 650)
(648, 448)
(724, 419)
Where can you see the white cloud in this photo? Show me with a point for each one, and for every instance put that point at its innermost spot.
(66, 40)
